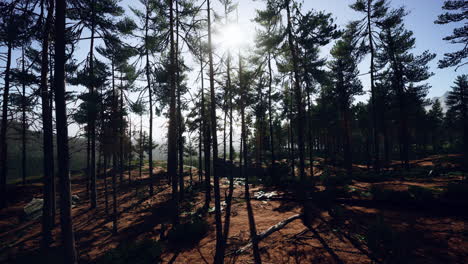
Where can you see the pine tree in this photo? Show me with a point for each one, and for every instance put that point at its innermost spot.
(436, 117)
(375, 11)
(66, 222)
(457, 101)
(14, 33)
(456, 13)
(407, 71)
(346, 56)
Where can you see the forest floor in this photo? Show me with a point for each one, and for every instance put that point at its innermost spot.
(377, 220)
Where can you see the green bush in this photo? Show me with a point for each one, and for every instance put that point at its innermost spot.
(142, 252)
(187, 234)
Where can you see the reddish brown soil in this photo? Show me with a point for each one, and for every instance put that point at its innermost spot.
(332, 239)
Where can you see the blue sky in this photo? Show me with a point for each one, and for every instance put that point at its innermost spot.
(420, 21)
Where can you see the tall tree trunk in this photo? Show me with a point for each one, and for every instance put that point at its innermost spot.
(66, 222)
(270, 114)
(373, 94)
(23, 122)
(250, 215)
(150, 94)
(227, 217)
(92, 119)
(206, 141)
(179, 109)
(172, 136)
(219, 254)
(114, 154)
(298, 94)
(48, 148)
(106, 196)
(3, 130)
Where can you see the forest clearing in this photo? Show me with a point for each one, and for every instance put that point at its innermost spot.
(233, 131)
(347, 219)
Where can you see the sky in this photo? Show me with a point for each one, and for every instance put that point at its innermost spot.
(420, 20)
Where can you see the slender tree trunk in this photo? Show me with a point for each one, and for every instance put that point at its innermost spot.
(172, 136)
(206, 143)
(114, 155)
(23, 123)
(121, 132)
(227, 217)
(219, 254)
(373, 93)
(129, 158)
(270, 114)
(48, 148)
(250, 215)
(298, 95)
(150, 94)
(106, 195)
(92, 119)
(179, 109)
(66, 222)
(3, 129)
(141, 150)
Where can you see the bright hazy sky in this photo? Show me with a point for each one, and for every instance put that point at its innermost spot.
(420, 21)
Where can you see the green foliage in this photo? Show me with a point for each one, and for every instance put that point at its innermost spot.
(141, 252)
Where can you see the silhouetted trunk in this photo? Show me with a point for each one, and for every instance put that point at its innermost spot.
(297, 94)
(270, 115)
(3, 129)
(121, 133)
(206, 143)
(92, 118)
(106, 195)
(114, 154)
(68, 237)
(179, 110)
(250, 215)
(309, 123)
(48, 148)
(129, 154)
(141, 154)
(373, 94)
(23, 122)
(219, 254)
(227, 217)
(114, 195)
(150, 94)
(172, 133)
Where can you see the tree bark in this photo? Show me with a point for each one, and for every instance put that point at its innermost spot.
(66, 222)
(48, 148)
(172, 136)
(297, 93)
(3, 129)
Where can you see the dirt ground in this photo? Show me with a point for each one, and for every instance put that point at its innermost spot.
(334, 236)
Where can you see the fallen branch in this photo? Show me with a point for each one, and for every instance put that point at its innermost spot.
(267, 233)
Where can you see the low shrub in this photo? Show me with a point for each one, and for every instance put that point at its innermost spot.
(188, 234)
(141, 252)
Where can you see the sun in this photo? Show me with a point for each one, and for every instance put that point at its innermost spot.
(230, 37)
